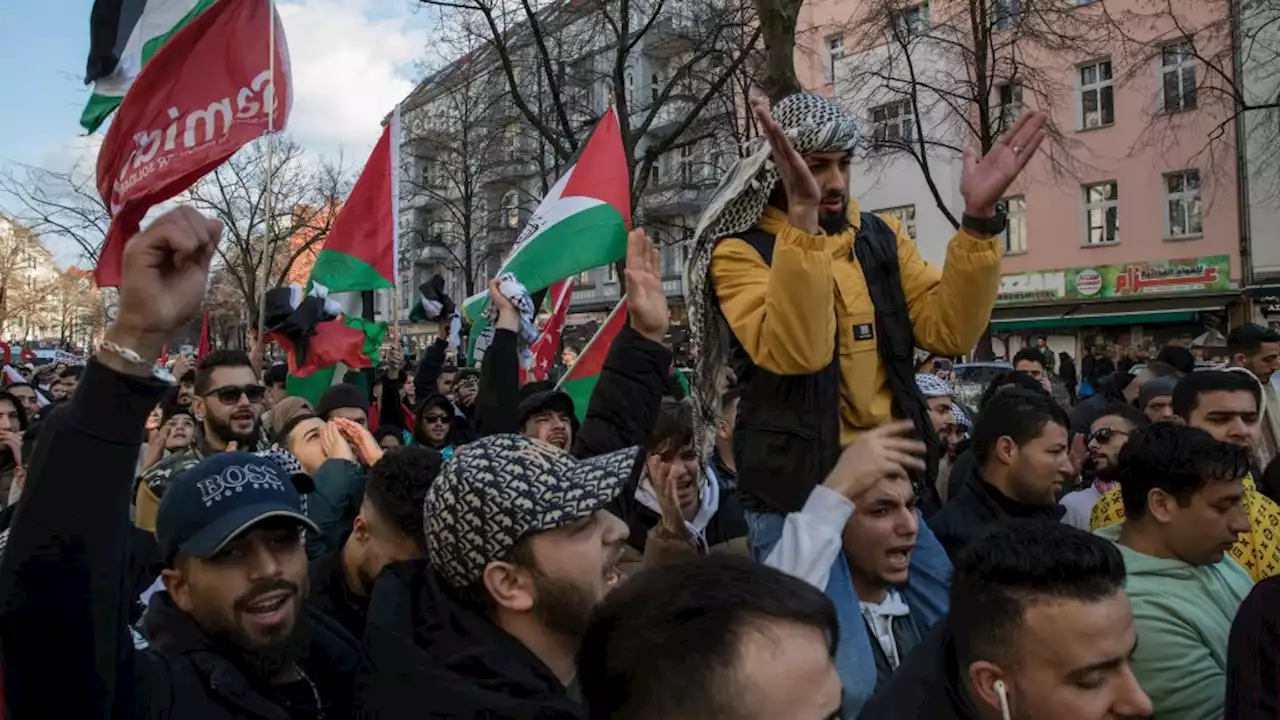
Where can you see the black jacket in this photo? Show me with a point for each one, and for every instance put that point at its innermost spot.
(430, 657)
(728, 523)
(928, 685)
(1106, 392)
(624, 404)
(330, 595)
(68, 652)
(977, 506)
(186, 677)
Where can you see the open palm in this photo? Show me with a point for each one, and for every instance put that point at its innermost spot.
(646, 299)
(983, 181)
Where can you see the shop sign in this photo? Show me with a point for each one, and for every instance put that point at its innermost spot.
(1210, 273)
(1270, 305)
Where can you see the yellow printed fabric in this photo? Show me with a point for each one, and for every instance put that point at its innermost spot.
(1257, 551)
(787, 315)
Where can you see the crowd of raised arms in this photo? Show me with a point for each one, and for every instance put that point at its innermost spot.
(819, 529)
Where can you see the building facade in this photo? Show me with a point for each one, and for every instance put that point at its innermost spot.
(1123, 231)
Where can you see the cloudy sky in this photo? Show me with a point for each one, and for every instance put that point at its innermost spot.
(352, 61)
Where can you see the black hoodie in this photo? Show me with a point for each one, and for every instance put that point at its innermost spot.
(433, 658)
(460, 432)
(927, 685)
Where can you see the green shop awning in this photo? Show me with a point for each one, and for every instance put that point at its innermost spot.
(1096, 319)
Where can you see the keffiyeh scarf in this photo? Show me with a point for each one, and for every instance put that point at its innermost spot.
(813, 124)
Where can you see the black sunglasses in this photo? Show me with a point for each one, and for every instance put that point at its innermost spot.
(435, 419)
(1104, 435)
(230, 395)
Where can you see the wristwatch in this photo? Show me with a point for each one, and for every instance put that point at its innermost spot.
(986, 226)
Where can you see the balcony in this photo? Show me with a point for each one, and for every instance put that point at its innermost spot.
(677, 198)
(671, 34)
(673, 112)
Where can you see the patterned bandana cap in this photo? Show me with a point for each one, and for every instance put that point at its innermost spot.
(962, 418)
(813, 124)
(932, 386)
(497, 490)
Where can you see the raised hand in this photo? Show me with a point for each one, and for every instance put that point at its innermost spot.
(394, 355)
(508, 315)
(803, 193)
(889, 451)
(646, 299)
(983, 181)
(334, 444)
(369, 450)
(664, 477)
(155, 447)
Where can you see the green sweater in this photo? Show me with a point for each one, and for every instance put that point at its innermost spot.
(1182, 614)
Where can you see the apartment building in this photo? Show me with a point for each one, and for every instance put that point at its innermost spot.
(1126, 228)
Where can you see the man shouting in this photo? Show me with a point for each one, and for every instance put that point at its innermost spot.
(825, 303)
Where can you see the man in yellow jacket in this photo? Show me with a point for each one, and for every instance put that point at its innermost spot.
(817, 337)
(1224, 404)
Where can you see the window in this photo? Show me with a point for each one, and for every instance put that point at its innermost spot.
(631, 87)
(1182, 193)
(1102, 213)
(913, 20)
(905, 214)
(511, 209)
(1178, 76)
(1097, 95)
(892, 124)
(512, 133)
(1009, 98)
(655, 87)
(584, 279)
(835, 51)
(611, 274)
(481, 220)
(655, 173)
(1004, 14)
(1015, 232)
(687, 162)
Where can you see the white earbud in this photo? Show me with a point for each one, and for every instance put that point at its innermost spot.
(1004, 699)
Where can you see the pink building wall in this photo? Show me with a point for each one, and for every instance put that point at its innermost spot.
(1122, 152)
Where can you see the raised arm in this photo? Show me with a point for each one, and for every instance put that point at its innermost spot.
(498, 400)
(62, 576)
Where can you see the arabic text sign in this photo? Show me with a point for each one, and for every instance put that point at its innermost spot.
(1106, 282)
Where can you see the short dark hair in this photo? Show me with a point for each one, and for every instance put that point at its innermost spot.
(666, 643)
(1176, 459)
(1179, 357)
(1029, 354)
(1135, 416)
(71, 371)
(17, 406)
(448, 369)
(1159, 369)
(1019, 414)
(1248, 339)
(188, 378)
(1017, 378)
(1016, 564)
(389, 431)
(1186, 394)
(730, 396)
(673, 428)
(213, 361)
(277, 374)
(396, 486)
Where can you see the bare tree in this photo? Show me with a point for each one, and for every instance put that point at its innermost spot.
(304, 199)
(956, 75)
(59, 204)
(1220, 58)
(78, 305)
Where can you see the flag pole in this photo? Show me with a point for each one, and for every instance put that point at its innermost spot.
(268, 198)
(393, 165)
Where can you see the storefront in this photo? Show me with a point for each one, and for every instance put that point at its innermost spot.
(1266, 305)
(1144, 304)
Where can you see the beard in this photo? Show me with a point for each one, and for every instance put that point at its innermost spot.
(563, 606)
(259, 661)
(835, 223)
(225, 432)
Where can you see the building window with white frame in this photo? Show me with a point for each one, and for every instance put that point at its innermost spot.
(687, 156)
(511, 209)
(835, 51)
(1097, 95)
(905, 214)
(913, 20)
(611, 274)
(655, 87)
(1009, 103)
(1015, 231)
(1182, 197)
(892, 124)
(1178, 76)
(1102, 213)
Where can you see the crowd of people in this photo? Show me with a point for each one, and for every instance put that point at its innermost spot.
(816, 532)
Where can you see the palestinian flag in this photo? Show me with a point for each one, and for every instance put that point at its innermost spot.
(123, 36)
(581, 379)
(361, 248)
(581, 224)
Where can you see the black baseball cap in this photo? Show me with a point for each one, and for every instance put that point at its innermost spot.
(210, 504)
(548, 400)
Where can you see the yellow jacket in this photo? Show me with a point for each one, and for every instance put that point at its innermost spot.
(785, 315)
(1257, 551)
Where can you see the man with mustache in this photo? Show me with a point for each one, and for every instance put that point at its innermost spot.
(1107, 437)
(824, 304)
(228, 638)
(228, 397)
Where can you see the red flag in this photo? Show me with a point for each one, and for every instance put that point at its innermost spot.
(27, 355)
(8, 352)
(164, 354)
(548, 342)
(207, 92)
(204, 337)
(335, 341)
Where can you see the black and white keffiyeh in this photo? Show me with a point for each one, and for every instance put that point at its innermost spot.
(813, 124)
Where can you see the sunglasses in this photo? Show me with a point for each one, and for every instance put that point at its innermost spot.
(1104, 435)
(435, 419)
(230, 395)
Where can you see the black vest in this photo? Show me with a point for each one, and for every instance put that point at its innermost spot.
(787, 437)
